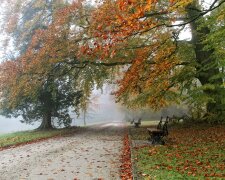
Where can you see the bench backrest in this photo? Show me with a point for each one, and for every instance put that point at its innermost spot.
(132, 121)
(159, 126)
(165, 128)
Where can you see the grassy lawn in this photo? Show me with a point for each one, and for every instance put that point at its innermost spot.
(190, 153)
(16, 138)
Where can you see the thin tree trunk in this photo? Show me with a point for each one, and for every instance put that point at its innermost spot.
(84, 118)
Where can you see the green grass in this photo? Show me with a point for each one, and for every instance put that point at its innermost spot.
(190, 153)
(29, 136)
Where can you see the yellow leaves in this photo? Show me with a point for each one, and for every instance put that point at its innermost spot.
(179, 5)
(149, 5)
(221, 17)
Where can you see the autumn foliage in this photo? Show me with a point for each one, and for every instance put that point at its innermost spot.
(156, 68)
(138, 29)
(126, 167)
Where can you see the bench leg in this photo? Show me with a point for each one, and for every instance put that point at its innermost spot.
(156, 139)
(137, 125)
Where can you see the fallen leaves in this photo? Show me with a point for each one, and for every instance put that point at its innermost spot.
(126, 167)
(190, 152)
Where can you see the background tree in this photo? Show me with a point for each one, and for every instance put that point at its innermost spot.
(48, 98)
(49, 77)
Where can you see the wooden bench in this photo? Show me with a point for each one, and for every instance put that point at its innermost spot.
(132, 121)
(157, 134)
(137, 123)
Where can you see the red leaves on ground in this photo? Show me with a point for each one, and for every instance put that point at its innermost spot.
(126, 167)
(194, 151)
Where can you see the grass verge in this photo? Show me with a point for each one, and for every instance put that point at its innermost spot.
(196, 152)
(23, 137)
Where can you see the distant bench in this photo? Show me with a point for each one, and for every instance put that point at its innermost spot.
(178, 119)
(136, 123)
(157, 134)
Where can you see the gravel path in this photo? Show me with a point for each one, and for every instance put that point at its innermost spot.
(91, 153)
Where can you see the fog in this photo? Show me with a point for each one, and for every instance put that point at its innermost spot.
(13, 124)
(102, 109)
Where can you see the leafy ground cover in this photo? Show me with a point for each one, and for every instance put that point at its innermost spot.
(18, 138)
(196, 152)
(126, 166)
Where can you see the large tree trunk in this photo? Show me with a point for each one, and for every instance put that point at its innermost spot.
(207, 67)
(47, 105)
(46, 122)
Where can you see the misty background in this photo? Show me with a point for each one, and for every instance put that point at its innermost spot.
(102, 109)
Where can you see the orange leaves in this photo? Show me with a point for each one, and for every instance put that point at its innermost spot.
(126, 167)
(189, 153)
(131, 2)
(131, 77)
(139, 6)
(84, 49)
(128, 17)
(198, 162)
(153, 60)
(99, 27)
(151, 74)
(122, 5)
(152, 151)
(11, 83)
(58, 42)
(113, 53)
(120, 20)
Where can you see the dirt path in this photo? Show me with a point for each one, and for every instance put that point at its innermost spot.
(91, 153)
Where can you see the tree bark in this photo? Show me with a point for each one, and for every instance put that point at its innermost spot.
(46, 122)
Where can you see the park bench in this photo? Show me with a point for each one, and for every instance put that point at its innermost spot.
(137, 123)
(178, 119)
(132, 121)
(157, 134)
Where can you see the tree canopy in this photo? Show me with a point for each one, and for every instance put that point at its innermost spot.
(164, 68)
(135, 42)
(40, 82)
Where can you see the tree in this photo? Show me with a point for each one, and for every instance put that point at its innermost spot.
(46, 79)
(161, 70)
(35, 99)
(49, 102)
(142, 35)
